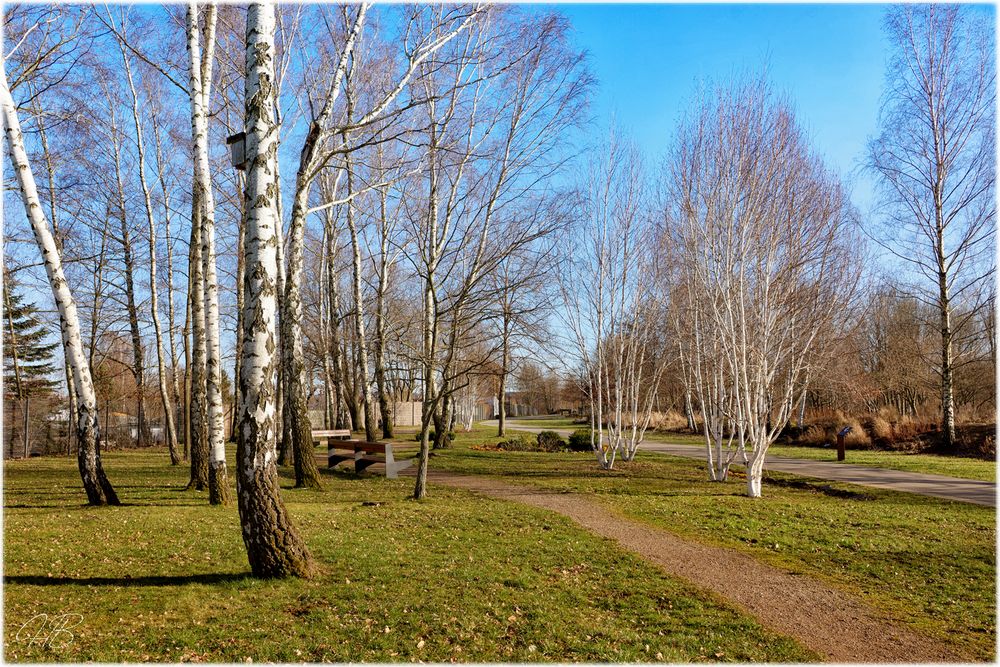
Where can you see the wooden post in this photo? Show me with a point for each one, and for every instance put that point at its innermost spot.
(841, 442)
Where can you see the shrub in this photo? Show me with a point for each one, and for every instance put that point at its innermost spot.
(580, 440)
(816, 434)
(517, 443)
(857, 438)
(671, 420)
(878, 429)
(550, 441)
(824, 433)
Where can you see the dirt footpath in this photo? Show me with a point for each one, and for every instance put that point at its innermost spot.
(832, 623)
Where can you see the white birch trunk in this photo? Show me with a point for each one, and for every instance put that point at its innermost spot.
(200, 93)
(168, 239)
(153, 292)
(274, 547)
(297, 424)
(196, 300)
(359, 314)
(98, 488)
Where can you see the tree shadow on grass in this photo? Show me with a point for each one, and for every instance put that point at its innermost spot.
(154, 580)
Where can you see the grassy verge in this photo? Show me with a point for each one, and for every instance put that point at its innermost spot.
(926, 562)
(456, 577)
(553, 422)
(950, 466)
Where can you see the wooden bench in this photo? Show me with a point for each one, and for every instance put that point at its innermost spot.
(365, 454)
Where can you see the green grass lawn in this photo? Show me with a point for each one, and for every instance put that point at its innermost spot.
(553, 423)
(926, 562)
(455, 577)
(951, 466)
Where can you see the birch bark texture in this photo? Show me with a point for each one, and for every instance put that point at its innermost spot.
(200, 93)
(196, 302)
(99, 490)
(273, 545)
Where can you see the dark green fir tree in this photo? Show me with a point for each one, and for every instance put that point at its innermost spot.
(28, 359)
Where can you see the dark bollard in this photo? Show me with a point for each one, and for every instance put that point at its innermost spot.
(841, 444)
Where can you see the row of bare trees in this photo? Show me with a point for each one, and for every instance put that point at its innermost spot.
(425, 142)
(729, 275)
(432, 231)
(736, 271)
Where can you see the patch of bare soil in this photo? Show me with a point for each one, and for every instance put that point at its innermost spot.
(831, 623)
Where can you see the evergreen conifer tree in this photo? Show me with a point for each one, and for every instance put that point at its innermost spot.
(28, 360)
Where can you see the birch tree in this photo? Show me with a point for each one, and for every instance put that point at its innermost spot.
(273, 545)
(498, 103)
(332, 353)
(613, 307)
(161, 173)
(387, 254)
(50, 173)
(764, 233)
(165, 399)
(99, 490)
(296, 409)
(200, 67)
(198, 415)
(313, 158)
(522, 283)
(120, 208)
(935, 160)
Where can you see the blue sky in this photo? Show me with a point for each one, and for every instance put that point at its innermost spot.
(650, 59)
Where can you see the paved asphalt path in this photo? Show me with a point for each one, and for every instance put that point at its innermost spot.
(939, 486)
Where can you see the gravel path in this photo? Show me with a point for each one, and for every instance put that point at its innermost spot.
(831, 623)
(938, 486)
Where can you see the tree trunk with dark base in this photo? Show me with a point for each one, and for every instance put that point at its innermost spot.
(200, 87)
(947, 364)
(273, 545)
(298, 426)
(297, 439)
(138, 354)
(98, 489)
(502, 389)
(384, 404)
(199, 432)
(333, 306)
(935, 157)
(168, 417)
(95, 482)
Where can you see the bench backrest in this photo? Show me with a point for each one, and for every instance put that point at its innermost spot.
(356, 445)
(332, 433)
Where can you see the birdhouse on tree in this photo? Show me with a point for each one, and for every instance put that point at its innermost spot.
(238, 150)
